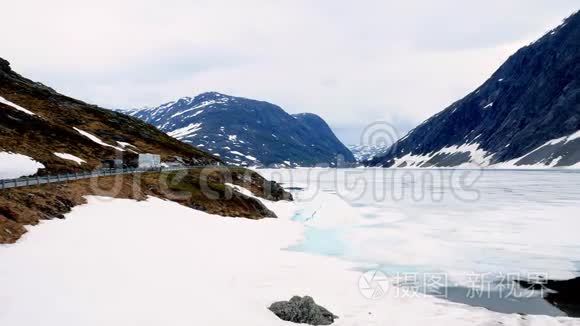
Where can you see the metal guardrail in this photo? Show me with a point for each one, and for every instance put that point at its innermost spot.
(40, 180)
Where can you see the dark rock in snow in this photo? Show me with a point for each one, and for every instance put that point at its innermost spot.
(565, 294)
(303, 311)
(276, 192)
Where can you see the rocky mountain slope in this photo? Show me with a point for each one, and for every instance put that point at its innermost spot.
(526, 114)
(61, 134)
(247, 132)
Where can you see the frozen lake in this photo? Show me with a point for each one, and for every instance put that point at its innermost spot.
(472, 229)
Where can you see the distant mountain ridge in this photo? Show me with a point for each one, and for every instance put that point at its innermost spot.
(526, 115)
(247, 132)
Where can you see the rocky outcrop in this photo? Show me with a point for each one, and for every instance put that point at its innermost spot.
(276, 192)
(302, 310)
(254, 182)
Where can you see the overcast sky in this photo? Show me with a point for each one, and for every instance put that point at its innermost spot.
(352, 62)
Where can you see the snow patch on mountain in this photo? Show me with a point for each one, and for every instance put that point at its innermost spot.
(97, 139)
(471, 155)
(562, 140)
(188, 131)
(197, 107)
(551, 155)
(70, 157)
(466, 155)
(15, 106)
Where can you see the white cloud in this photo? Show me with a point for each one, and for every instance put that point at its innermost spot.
(351, 62)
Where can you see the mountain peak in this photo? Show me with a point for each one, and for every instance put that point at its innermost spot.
(306, 115)
(213, 95)
(247, 132)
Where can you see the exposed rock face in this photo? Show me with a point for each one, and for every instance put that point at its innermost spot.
(247, 132)
(303, 311)
(563, 294)
(527, 113)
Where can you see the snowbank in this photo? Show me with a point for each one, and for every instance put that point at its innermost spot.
(13, 166)
(122, 262)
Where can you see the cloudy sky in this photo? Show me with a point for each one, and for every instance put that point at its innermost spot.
(352, 62)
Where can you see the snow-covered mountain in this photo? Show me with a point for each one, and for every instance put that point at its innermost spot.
(247, 132)
(363, 153)
(526, 115)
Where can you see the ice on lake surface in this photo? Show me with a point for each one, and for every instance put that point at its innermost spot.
(468, 225)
